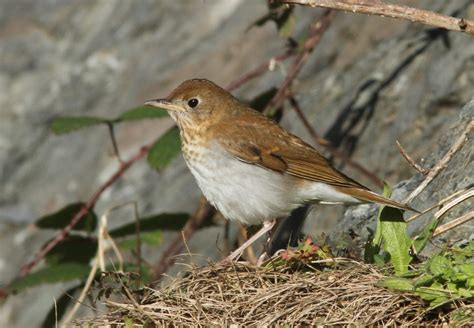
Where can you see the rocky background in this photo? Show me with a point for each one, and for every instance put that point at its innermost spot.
(369, 82)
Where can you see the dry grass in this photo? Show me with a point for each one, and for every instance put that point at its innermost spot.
(254, 297)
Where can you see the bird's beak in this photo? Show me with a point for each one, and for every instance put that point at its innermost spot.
(164, 104)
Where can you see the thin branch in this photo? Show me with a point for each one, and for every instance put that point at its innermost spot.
(332, 150)
(438, 204)
(452, 203)
(110, 125)
(443, 162)
(410, 160)
(83, 212)
(380, 8)
(90, 279)
(299, 112)
(315, 34)
(259, 70)
(454, 223)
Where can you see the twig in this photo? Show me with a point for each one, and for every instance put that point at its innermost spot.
(410, 160)
(438, 204)
(98, 261)
(139, 239)
(259, 70)
(90, 278)
(110, 125)
(443, 162)
(83, 212)
(454, 223)
(317, 138)
(315, 34)
(327, 144)
(458, 200)
(380, 8)
(167, 259)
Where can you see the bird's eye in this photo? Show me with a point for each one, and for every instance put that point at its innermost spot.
(193, 102)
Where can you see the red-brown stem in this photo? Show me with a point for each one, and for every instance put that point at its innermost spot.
(380, 8)
(315, 34)
(259, 70)
(82, 213)
(317, 138)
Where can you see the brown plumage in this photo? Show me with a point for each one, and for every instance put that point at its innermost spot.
(247, 165)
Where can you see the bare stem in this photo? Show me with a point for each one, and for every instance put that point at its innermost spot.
(82, 213)
(410, 160)
(380, 8)
(259, 70)
(110, 125)
(454, 223)
(443, 162)
(316, 32)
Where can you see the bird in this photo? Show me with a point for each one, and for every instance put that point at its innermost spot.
(248, 166)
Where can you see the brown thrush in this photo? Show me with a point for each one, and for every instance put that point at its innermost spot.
(250, 168)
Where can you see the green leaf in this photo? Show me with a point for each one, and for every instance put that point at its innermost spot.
(468, 269)
(140, 113)
(396, 283)
(287, 25)
(56, 313)
(370, 250)
(164, 150)
(463, 292)
(174, 222)
(387, 192)
(73, 249)
(374, 241)
(396, 240)
(431, 294)
(61, 218)
(470, 282)
(281, 15)
(424, 280)
(422, 239)
(52, 274)
(439, 265)
(67, 124)
(128, 322)
(152, 238)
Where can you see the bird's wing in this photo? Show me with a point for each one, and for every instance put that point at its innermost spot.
(299, 160)
(284, 153)
(287, 154)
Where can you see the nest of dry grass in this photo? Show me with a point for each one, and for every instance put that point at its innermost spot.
(247, 296)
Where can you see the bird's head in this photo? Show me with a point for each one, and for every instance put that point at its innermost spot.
(196, 101)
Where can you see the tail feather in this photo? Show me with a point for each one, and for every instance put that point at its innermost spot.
(372, 197)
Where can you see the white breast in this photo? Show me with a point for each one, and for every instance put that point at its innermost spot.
(241, 191)
(251, 194)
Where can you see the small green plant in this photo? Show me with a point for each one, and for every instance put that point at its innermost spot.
(444, 277)
(390, 242)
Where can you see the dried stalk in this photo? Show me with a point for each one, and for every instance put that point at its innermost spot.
(380, 8)
(433, 173)
(410, 160)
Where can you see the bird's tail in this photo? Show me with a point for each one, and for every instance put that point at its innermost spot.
(371, 197)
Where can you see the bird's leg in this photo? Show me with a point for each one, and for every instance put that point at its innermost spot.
(267, 226)
(264, 256)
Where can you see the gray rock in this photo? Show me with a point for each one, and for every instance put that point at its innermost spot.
(363, 88)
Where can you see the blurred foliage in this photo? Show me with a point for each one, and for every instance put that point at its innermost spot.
(62, 217)
(165, 149)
